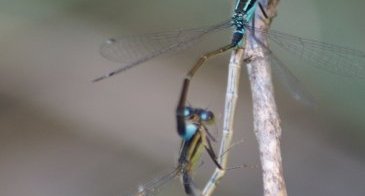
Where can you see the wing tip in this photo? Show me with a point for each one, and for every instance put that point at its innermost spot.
(100, 78)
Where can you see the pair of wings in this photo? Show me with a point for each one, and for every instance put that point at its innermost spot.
(135, 50)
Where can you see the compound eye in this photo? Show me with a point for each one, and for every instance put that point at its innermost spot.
(188, 111)
(207, 116)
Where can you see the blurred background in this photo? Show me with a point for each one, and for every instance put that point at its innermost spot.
(62, 135)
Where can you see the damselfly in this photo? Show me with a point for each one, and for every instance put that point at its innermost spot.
(134, 50)
(196, 137)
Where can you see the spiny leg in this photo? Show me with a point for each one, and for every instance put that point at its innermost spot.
(209, 134)
(208, 146)
(263, 10)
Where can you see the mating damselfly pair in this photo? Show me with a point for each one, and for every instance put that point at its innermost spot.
(134, 50)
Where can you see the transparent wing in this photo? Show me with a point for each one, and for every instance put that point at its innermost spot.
(127, 50)
(152, 187)
(287, 79)
(134, 50)
(332, 58)
(291, 83)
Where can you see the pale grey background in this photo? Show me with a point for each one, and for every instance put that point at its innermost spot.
(61, 135)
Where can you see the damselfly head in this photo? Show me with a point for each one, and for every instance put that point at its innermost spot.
(192, 114)
(198, 114)
(206, 116)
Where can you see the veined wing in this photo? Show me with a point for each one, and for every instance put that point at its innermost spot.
(287, 79)
(134, 50)
(152, 187)
(290, 82)
(332, 58)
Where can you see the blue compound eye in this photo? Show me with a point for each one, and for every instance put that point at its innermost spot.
(190, 130)
(206, 116)
(188, 111)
